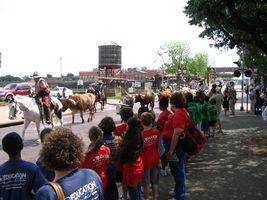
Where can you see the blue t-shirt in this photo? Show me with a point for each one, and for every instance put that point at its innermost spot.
(48, 174)
(19, 179)
(79, 184)
(109, 141)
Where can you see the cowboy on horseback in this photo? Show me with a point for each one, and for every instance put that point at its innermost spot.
(42, 97)
(98, 89)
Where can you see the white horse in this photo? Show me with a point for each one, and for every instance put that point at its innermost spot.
(31, 111)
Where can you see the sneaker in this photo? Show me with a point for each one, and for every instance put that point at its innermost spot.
(172, 193)
(168, 170)
(48, 121)
(122, 198)
(220, 131)
(163, 172)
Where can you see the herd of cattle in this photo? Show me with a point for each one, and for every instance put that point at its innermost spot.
(83, 102)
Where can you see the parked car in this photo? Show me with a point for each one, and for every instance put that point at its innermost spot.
(13, 89)
(58, 92)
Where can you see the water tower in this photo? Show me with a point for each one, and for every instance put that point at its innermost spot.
(109, 62)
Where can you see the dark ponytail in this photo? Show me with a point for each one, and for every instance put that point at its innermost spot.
(96, 135)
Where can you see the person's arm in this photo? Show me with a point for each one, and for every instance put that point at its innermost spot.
(44, 86)
(39, 179)
(46, 193)
(175, 139)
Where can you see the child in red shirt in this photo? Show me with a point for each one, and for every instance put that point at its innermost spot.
(119, 132)
(126, 113)
(163, 117)
(150, 155)
(130, 157)
(98, 156)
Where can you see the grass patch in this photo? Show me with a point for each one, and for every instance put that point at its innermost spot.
(2, 103)
(115, 97)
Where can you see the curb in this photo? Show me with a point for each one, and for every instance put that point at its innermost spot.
(7, 124)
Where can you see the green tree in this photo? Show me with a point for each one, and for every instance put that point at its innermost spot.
(49, 76)
(9, 78)
(177, 55)
(231, 23)
(253, 59)
(198, 65)
(70, 76)
(26, 78)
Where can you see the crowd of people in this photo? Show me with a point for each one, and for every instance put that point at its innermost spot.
(134, 153)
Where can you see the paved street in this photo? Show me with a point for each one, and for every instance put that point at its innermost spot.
(233, 164)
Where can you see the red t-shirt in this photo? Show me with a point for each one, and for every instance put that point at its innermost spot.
(98, 161)
(163, 117)
(150, 153)
(132, 173)
(167, 131)
(120, 130)
(180, 119)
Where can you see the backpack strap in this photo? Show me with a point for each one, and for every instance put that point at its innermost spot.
(59, 190)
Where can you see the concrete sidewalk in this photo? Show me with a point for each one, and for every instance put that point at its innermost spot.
(232, 165)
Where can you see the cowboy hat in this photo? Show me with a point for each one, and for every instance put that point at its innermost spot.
(35, 75)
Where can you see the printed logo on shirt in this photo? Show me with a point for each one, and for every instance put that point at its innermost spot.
(150, 140)
(13, 181)
(88, 191)
(100, 159)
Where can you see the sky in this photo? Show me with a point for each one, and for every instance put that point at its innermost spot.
(35, 34)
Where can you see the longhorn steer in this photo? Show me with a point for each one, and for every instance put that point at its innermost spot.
(80, 103)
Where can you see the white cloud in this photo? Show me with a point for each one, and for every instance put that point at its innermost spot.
(35, 33)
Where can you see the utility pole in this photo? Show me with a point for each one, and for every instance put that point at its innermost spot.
(60, 63)
(162, 66)
(242, 88)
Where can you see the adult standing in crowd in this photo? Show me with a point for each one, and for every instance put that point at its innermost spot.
(180, 121)
(232, 99)
(217, 95)
(63, 152)
(18, 178)
(226, 100)
(252, 98)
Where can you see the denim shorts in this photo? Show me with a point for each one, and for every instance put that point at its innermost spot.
(205, 125)
(151, 176)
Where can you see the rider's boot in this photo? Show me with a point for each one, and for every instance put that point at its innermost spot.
(47, 113)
